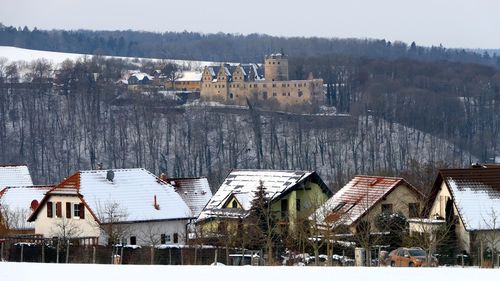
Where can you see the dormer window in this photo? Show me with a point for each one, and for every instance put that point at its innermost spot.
(234, 204)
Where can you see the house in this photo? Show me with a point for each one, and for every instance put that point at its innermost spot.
(130, 206)
(189, 81)
(469, 200)
(140, 78)
(292, 194)
(16, 205)
(364, 198)
(17, 198)
(270, 84)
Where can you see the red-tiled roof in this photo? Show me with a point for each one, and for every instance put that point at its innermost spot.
(356, 198)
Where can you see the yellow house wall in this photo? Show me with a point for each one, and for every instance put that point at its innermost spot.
(400, 198)
(439, 208)
(47, 227)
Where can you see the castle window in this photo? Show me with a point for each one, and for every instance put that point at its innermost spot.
(274, 94)
(288, 94)
(300, 93)
(278, 62)
(231, 95)
(274, 85)
(274, 62)
(223, 86)
(283, 94)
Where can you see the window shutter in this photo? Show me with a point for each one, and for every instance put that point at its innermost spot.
(59, 209)
(68, 210)
(50, 209)
(82, 211)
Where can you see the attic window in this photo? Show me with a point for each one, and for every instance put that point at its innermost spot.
(338, 207)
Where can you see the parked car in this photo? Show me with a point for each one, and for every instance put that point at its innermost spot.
(411, 257)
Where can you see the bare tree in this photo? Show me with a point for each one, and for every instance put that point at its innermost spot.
(151, 236)
(490, 236)
(111, 216)
(173, 72)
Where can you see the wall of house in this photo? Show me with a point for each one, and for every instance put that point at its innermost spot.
(400, 198)
(49, 227)
(311, 197)
(150, 233)
(185, 85)
(283, 93)
(439, 209)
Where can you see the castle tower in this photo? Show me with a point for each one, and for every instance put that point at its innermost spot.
(276, 67)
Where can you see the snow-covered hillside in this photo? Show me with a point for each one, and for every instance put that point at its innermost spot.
(20, 54)
(85, 272)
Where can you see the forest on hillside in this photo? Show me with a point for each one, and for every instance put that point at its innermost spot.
(395, 117)
(226, 47)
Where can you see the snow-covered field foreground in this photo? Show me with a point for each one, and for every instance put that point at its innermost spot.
(75, 272)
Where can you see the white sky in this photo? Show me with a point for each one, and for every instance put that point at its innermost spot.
(453, 23)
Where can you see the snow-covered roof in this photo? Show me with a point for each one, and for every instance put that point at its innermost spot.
(21, 200)
(15, 176)
(190, 76)
(195, 192)
(242, 184)
(355, 199)
(476, 194)
(141, 75)
(134, 190)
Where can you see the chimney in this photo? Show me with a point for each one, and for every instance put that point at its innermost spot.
(163, 177)
(155, 203)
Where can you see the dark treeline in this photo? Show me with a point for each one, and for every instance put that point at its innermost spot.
(224, 47)
(402, 118)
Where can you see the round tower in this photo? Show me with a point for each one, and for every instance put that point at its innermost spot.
(276, 67)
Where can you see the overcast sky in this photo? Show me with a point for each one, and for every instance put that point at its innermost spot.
(453, 23)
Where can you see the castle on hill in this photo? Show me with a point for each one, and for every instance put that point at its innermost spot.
(268, 85)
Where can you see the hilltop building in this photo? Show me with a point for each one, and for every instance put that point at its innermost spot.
(268, 85)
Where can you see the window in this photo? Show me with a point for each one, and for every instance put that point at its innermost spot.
(338, 207)
(133, 240)
(176, 238)
(300, 93)
(68, 210)
(264, 95)
(231, 95)
(76, 210)
(162, 239)
(386, 208)
(297, 205)
(413, 210)
(284, 208)
(50, 209)
(234, 204)
(274, 94)
(59, 209)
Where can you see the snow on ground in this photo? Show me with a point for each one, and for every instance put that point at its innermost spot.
(75, 272)
(21, 54)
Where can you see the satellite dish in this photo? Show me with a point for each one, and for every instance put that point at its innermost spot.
(110, 175)
(34, 204)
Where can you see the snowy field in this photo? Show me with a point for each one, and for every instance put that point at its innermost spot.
(76, 272)
(20, 54)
